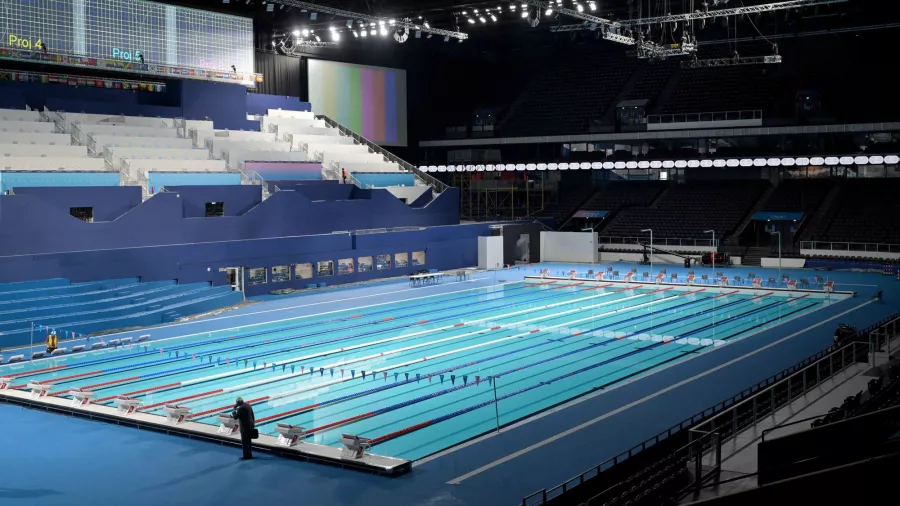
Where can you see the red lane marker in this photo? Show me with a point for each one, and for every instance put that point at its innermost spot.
(340, 422)
(634, 288)
(494, 328)
(389, 318)
(576, 334)
(74, 376)
(356, 316)
(98, 385)
(459, 324)
(181, 399)
(761, 296)
(223, 408)
(691, 293)
(729, 293)
(36, 371)
(420, 322)
(597, 287)
(288, 413)
(534, 331)
(151, 389)
(395, 434)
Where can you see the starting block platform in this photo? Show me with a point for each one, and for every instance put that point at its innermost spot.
(37, 354)
(96, 346)
(58, 351)
(176, 414)
(39, 389)
(143, 338)
(15, 358)
(126, 406)
(288, 435)
(76, 349)
(354, 446)
(5, 383)
(227, 426)
(80, 398)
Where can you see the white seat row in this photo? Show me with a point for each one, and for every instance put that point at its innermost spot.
(28, 126)
(301, 140)
(203, 137)
(98, 142)
(350, 149)
(287, 126)
(35, 138)
(236, 159)
(120, 154)
(282, 113)
(67, 119)
(84, 129)
(23, 163)
(31, 150)
(135, 165)
(221, 147)
(19, 115)
(194, 124)
(243, 135)
(371, 167)
(344, 158)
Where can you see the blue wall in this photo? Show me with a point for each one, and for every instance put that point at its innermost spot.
(238, 199)
(10, 180)
(259, 104)
(162, 239)
(109, 202)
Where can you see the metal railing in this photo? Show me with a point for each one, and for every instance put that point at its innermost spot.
(850, 246)
(704, 116)
(658, 241)
(436, 184)
(743, 399)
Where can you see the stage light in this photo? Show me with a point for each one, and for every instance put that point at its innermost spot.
(372, 32)
(493, 18)
(427, 25)
(354, 33)
(381, 22)
(318, 39)
(393, 22)
(592, 5)
(349, 23)
(524, 14)
(512, 7)
(481, 18)
(471, 21)
(384, 31)
(296, 33)
(579, 7)
(549, 11)
(305, 32)
(335, 36)
(363, 33)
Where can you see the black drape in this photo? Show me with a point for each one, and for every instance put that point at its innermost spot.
(281, 74)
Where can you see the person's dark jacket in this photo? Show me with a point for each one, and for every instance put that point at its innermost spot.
(243, 413)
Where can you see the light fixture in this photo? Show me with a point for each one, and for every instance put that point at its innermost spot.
(493, 18)
(524, 14)
(384, 31)
(481, 18)
(471, 21)
(549, 11)
(393, 22)
(296, 33)
(363, 33)
(427, 25)
(446, 38)
(372, 31)
(380, 22)
(592, 5)
(579, 7)
(335, 36)
(354, 33)
(305, 32)
(318, 39)
(349, 23)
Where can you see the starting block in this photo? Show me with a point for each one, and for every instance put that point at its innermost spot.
(80, 398)
(227, 425)
(757, 282)
(125, 340)
(15, 358)
(58, 351)
(38, 390)
(792, 284)
(176, 414)
(660, 277)
(5, 383)
(354, 446)
(37, 354)
(126, 406)
(76, 349)
(288, 435)
(96, 346)
(143, 338)
(113, 342)
(828, 287)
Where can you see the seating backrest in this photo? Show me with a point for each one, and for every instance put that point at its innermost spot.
(32, 150)
(46, 139)
(22, 163)
(19, 115)
(28, 126)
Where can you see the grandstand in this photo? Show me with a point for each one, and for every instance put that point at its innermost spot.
(562, 253)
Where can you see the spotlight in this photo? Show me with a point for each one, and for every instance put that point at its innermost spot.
(393, 22)
(579, 7)
(354, 33)
(363, 33)
(381, 22)
(592, 5)
(318, 39)
(493, 18)
(349, 23)
(524, 14)
(549, 11)
(481, 18)
(305, 32)
(383, 31)
(471, 21)
(512, 7)
(427, 25)
(372, 31)
(296, 33)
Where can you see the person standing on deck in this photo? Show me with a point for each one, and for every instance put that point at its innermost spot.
(243, 413)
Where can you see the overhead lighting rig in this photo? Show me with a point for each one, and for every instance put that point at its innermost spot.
(368, 18)
(730, 62)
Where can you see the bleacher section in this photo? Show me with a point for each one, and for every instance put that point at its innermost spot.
(798, 195)
(687, 211)
(101, 305)
(723, 89)
(859, 214)
(617, 196)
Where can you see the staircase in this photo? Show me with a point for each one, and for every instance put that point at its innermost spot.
(754, 255)
(736, 234)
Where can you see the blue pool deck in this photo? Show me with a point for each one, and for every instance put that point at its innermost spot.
(497, 468)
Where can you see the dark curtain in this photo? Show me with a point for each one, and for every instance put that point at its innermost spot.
(281, 74)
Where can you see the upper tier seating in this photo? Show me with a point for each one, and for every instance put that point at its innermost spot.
(616, 195)
(42, 151)
(142, 165)
(687, 211)
(723, 89)
(83, 130)
(571, 92)
(653, 80)
(798, 195)
(96, 143)
(34, 163)
(864, 213)
(28, 126)
(68, 120)
(19, 115)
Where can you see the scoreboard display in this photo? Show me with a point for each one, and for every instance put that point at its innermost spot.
(128, 29)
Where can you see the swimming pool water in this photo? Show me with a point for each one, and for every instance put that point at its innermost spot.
(424, 374)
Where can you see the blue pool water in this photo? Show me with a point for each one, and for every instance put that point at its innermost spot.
(422, 375)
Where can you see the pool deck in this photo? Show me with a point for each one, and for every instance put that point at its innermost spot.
(495, 469)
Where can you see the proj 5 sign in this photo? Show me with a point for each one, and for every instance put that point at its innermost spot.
(121, 54)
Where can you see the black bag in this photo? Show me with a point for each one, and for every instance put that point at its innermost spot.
(254, 434)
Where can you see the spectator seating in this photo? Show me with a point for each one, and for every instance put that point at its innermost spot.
(687, 211)
(653, 80)
(42, 151)
(139, 165)
(236, 159)
(19, 115)
(798, 195)
(370, 166)
(570, 93)
(28, 127)
(119, 155)
(617, 195)
(158, 180)
(47, 139)
(113, 141)
(385, 179)
(860, 215)
(81, 131)
(723, 89)
(36, 163)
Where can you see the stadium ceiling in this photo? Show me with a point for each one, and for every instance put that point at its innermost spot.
(496, 19)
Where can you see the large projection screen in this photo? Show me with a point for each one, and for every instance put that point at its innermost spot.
(371, 101)
(123, 29)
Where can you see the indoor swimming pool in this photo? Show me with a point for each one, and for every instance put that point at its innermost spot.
(427, 373)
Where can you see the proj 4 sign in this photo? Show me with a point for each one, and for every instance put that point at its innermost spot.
(126, 55)
(23, 43)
